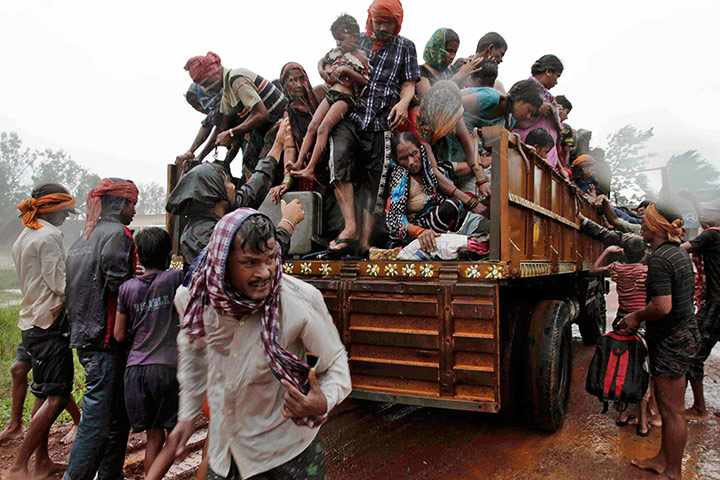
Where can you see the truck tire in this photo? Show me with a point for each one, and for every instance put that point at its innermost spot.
(592, 319)
(548, 365)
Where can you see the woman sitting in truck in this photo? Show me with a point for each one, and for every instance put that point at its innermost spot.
(422, 204)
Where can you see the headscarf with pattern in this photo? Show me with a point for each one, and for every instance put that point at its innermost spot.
(53, 202)
(107, 186)
(208, 284)
(434, 54)
(440, 111)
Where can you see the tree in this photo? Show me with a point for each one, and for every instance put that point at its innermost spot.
(691, 171)
(626, 154)
(151, 199)
(15, 163)
(58, 167)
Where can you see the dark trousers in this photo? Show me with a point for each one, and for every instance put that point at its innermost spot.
(102, 435)
(708, 322)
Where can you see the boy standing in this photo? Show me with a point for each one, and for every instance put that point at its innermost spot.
(147, 318)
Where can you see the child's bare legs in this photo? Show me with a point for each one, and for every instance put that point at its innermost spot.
(155, 441)
(309, 138)
(74, 412)
(19, 372)
(643, 425)
(336, 113)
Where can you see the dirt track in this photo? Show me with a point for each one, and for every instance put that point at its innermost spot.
(367, 441)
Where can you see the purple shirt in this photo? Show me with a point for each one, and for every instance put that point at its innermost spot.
(152, 320)
(547, 124)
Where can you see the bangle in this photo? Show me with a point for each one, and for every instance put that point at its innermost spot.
(481, 182)
(231, 133)
(453, 192)
(287, 181)
(288, 221)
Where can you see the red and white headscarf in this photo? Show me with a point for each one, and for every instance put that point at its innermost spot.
(127, 190)
(202, 66)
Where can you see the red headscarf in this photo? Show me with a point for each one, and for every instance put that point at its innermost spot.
(201, 67)
(310, 97)
(106, 186)
(383, 8)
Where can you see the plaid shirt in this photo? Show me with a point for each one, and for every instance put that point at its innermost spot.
(390, 66)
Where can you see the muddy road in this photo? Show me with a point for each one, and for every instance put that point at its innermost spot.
(368, 441)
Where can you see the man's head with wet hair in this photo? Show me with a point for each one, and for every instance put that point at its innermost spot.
(487, 74)
(256, 232)
(492, 45)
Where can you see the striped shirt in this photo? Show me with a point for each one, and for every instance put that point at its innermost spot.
(391, 65)
(630, 297)
(670, 272)
(243, 89)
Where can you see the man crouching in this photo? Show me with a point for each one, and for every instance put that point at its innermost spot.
(245, 331)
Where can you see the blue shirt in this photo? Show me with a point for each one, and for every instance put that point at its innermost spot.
(393, 64)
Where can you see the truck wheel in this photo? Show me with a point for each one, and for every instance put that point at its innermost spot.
(548, 365)
(592, 319)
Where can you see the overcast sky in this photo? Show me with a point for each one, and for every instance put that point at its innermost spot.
(106, 82)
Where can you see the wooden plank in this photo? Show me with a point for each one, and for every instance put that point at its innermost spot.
(474, 377)
(479, 344)
(379, 369)
(398, 339)
(445, 333)
(408, 306)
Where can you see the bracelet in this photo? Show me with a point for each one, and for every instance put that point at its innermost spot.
(288, 221)
(481, 182)
(452, 194)
(287, 181)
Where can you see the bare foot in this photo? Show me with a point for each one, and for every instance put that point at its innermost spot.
(19, 474)
(70, 437)
(48, 468)
(697, 414)
(655, 421)
(11, 434)
(304, 173)
(654, 464)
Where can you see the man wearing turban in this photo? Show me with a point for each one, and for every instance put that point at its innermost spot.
(39, 258)
(250, 104)
(671, 332)
(97, 264)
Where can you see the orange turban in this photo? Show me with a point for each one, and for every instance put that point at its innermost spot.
(127, 190)
(201, 67)
(53, 202)
(656, 223)
(387, 9)
(583, 160)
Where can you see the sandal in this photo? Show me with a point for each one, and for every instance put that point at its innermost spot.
(349, 248)
(621, 423)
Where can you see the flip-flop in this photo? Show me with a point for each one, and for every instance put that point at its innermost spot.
(621, 423)
(349, 248)
(643, 434)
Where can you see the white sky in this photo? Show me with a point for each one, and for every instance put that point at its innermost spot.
(106, 83)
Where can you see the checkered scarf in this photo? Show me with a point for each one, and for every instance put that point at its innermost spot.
(208, 282)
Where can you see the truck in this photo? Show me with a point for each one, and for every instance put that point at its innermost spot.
(489, 336)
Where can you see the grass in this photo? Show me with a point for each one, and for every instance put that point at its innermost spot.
(8, 279)
(9, 338)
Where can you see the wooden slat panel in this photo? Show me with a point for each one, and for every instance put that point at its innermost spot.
(395, 385)
(483, 361)
(475, 392)
(474, 377)
(407, 306)
(395, 322)
(474, 326)
(393, 354)
(473, 310)
(474, 343)
(412, 372)
(398, 339)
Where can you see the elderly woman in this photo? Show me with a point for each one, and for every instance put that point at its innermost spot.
(545, 72)
(423, 202)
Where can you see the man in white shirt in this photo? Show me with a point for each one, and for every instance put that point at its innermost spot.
(39, 258)
(245, 331)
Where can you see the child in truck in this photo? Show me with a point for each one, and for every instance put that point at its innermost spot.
(346, 71)
(147, 318)
(629, 276)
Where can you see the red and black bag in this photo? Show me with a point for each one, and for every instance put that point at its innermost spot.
(618, 371)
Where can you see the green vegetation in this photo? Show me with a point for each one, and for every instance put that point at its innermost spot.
(9, 338)
(8, 279)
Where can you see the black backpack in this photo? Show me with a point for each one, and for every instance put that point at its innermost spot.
(617, 371)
